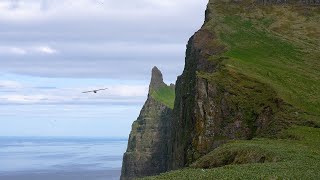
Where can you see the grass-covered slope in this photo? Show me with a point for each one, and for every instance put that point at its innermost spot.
(275, 44)
(295, 155)
(165, 94)
(271, 51)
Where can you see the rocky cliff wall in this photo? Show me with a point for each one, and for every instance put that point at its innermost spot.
(147, 151)
(215, 104)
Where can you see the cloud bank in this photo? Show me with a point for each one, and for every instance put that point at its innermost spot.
(96, 38)
(52, 50)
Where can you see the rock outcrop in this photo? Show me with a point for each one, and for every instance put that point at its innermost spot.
(147, 151)
(156, 80)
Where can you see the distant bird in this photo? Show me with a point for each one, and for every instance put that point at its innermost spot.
(95, 91)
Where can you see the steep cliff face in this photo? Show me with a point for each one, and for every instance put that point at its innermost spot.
(214, 105)
(147, 151)
(251, 71)
(227, 90)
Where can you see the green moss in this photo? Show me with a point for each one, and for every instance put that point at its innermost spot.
(166, 95)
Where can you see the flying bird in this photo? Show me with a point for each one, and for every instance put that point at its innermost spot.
(95, 91)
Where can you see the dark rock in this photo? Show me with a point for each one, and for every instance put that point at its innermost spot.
(156, 80)
(147, 151)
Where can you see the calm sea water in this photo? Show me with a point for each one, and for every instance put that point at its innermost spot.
(60, 158)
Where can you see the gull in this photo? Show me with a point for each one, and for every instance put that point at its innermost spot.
(95, 91)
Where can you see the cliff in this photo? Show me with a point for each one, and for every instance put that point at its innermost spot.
(228, 89)
(148, 142)
(249, 94)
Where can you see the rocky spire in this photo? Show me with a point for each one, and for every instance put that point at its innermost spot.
(147, 152)
(156, 80)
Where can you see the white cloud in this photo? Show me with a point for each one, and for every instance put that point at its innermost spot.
(24, 50)
(10, 84)
(45, 49)
(124, 94)
(29, 99)
(16, 50)
(12, 50)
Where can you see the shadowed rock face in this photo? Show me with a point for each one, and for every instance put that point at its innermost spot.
(147, 151)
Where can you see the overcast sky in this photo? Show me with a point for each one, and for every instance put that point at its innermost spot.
(52, 50)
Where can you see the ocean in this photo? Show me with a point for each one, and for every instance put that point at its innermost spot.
(48, 158)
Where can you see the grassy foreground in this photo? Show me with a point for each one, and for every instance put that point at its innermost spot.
(295, 155)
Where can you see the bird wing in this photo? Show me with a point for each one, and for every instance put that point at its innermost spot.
(87, 91)
(101, 89)
(95, 90)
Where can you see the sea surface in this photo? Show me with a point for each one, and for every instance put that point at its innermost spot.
(32, 158)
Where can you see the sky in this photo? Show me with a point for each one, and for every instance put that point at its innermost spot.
(53, 50)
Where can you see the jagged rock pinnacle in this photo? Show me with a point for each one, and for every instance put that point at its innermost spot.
(156, 80)
(147, 152)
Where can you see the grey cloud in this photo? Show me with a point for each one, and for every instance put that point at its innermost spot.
(82, 62)
(90, 45)
(174, 29)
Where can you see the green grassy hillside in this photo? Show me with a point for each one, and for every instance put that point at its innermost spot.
(279, 47)
(166, 95)
(295, 155)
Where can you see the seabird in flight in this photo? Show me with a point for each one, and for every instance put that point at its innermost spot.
(95, 91)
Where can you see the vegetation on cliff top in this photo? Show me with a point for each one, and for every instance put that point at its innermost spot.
(277, 45)
(165, 94)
